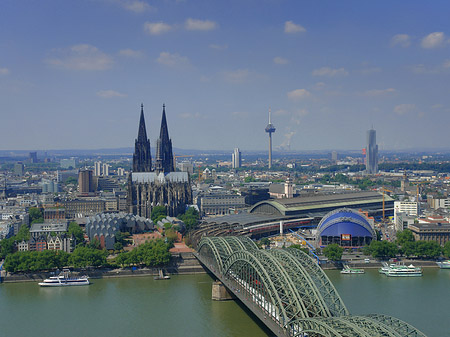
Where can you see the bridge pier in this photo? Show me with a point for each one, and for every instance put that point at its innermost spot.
(221, 293)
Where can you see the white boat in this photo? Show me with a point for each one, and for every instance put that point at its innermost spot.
(161, 276)
(396, 270)
(348, 270)
(63, 280)
(444, 264)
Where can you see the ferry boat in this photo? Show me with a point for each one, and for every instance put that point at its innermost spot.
(348, 270)
(395, 270)
(63, 280)
(444, 264)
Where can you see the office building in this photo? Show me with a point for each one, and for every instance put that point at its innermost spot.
(105, 172)
(85, 182)
(68, 163)
(98, 168)
(18, 169)
(371, 152)
(236, 161)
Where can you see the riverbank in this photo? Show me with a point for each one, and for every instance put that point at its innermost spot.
(181, 264)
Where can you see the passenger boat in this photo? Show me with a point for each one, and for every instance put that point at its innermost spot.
(444, 264)
(395, 270)
(63, 280)
(348, 270)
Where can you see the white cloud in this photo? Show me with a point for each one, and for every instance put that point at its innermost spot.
(131, 53)
(218, 46)
(239, 113)
(446, 64)
(81, 57)
(372, 70)
(326, 71)
(401, 40)
(136, 6)
(4, 71)
(281, 112)
(172, 60)
(403, 109)
(109, 94)
(290, 28)
(204, 25)
(379, 92)
(157, 28)
(437, 106)
(280, 60)
(237, 76)
(433, 40)
(298, 94)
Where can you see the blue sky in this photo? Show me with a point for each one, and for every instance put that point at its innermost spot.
(74, 73)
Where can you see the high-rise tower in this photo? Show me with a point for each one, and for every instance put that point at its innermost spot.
(270, 128)
(142, 157)
(164, 154)
(372, 152)
(236, 160)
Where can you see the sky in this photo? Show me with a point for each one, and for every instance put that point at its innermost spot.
(73, 74)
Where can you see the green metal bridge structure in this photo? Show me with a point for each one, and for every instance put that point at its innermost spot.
(289, 292)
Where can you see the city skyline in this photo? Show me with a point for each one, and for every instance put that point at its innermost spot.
(72, 75)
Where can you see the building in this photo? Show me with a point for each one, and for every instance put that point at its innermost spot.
(104, 227)
(83, 206)
(120, 171)
(105, 170)
(407, 207)
(345, 227)
(431, 229)
(372, 152)
(98, 168)
(437, 203)
(236, 161)
(148, 187)
(403, 221)
(50, 186)
(32, 157)
(220, 203)
(39, 229)
(186, 167)
(52, 214)
(85, 182)
(68, 163)
(18, 169)
(334, 156)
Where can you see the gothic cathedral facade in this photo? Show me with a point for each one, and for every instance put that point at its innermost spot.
(159, 184)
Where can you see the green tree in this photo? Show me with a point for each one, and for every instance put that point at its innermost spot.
(428, 249)
(265, 241)
(157, 212)
(23, 234)
(300, 247)
(446, 249)
(71, 180)
(6, 247)
(404, 236)
(75, 230)
(333, 252)
(85, 256)
(118, 246)
(190, 218)
(36, 215)
(383, 249)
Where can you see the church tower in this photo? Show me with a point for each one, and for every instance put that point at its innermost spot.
(164, 154)
(142, 157)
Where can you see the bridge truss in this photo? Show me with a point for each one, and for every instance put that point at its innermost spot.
(289, 292)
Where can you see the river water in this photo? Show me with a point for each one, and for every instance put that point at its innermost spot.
(182, 306)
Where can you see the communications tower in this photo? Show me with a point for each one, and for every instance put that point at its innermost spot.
(270, 128)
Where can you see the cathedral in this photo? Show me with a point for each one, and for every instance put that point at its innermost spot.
(158, 184)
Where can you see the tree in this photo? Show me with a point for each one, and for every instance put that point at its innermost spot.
(333, 252)
(446, 249)
(404, 236)
(265, 241)
(85, 256)
(157, 212)
(300, 247)
(383, 249)
(75, 230)
(36, 215)
(190, 218)
(6, 247)
(118, 246)
(428, 249)
(23, 234)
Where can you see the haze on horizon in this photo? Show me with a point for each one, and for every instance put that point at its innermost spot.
(73, 74)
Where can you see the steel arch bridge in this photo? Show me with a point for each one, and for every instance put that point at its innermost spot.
(289, 292)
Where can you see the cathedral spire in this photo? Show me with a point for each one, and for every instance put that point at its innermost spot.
(142, 158)
(164, 155)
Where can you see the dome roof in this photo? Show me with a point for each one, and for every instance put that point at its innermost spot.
(345, 221)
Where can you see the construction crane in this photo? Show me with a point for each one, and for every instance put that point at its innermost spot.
(384, 190)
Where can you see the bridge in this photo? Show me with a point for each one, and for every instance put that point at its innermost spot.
(289, 292)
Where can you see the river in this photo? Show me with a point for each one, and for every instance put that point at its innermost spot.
(182, 306)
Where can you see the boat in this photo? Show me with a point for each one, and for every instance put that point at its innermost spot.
(444, 264)
(64, 279)
(161, 276)
(348, 270)
(396, 270)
